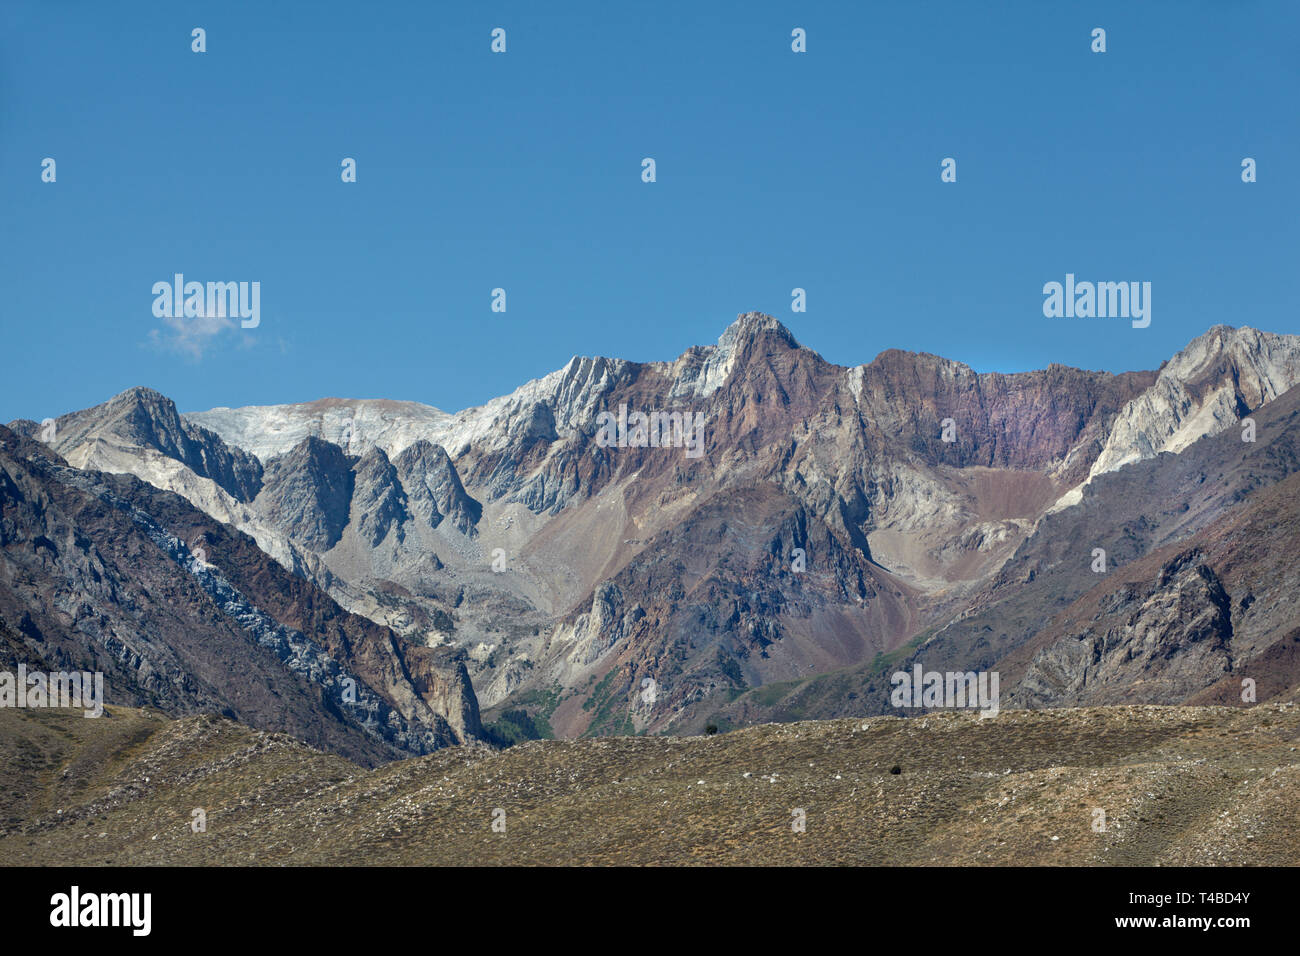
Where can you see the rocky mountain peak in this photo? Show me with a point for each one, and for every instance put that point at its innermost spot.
(619, 555)
(315, 451)
(140, 394)
(145, 408)
(141, 418)
(751, 326)
(307, 492)
(1265, 361)
(378, 502)
(702, 371)
(433, 488)
(1209, 386)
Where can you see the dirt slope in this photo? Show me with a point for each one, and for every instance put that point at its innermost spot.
(1177, 786)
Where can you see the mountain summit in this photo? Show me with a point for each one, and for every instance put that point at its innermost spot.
(830, 518)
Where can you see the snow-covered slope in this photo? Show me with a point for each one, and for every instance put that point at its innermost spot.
(355, 425)
(571, 394)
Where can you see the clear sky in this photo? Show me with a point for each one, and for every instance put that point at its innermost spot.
(522, 170)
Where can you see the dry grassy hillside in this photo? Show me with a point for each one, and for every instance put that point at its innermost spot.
(1179, 785)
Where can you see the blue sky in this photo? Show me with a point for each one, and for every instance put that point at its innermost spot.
(523, 171)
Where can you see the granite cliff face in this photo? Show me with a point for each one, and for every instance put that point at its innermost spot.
(828, 516)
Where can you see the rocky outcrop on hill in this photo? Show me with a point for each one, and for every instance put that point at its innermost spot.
(378, 503)
(434, 489)
(1156, 642)
(307, 493)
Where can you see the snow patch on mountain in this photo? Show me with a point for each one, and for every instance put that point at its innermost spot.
(572, 394)
(355, 425)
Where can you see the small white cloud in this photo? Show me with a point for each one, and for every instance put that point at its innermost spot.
(191, 335)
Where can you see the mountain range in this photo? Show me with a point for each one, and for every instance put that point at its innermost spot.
(840, 524)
